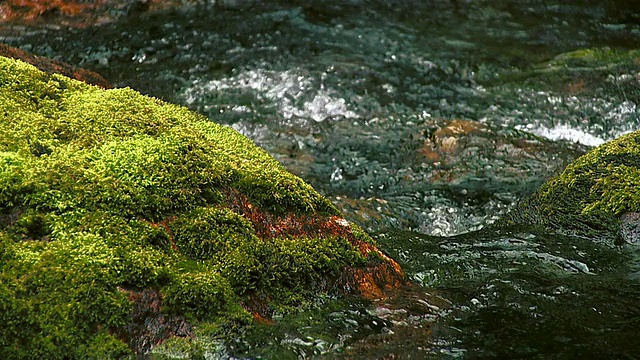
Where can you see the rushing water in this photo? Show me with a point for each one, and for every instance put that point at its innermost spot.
(348, 94)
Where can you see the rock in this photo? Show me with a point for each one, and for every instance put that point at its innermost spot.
(30, 10)
(463, 150)
(630, 227)
(55, 67)
(83, 13)
(440, 177)
(596, 196)
(126, 221)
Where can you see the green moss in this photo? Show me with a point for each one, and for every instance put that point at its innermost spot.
(570, 72)
(593, 57)
(104, 346)
(140, 154)
(204, 295)
(65, 290)
(205, 233)
(360, 234)
(295, 267)
(591, 194)
(107, 192)
(180, 348)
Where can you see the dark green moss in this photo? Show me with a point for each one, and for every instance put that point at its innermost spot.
(66, 291)
(104, 346)
(205, 296)
(205, 233)
(361, 235)
(295, 267)
(31, 226)
(589, 68)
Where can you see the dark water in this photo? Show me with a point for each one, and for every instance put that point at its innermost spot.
(347, 93)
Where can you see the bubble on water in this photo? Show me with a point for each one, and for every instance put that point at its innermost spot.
(320, 108)
(336, 175)
(622, 111)
(589, 120)
(442, 220)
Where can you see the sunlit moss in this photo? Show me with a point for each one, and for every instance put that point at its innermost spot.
(107, 192)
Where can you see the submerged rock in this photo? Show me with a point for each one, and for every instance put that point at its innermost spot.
(125, 221)
(465, 151)
(437, 176)
(596, 196)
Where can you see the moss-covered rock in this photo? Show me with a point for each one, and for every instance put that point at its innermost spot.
(592, 58)
(55, 66)
(590, 66)
(125, 221)
(592, 195)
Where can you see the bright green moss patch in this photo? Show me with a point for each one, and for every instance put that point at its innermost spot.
(61, 293)
(72, 141)
(181, 348)
(117, 208)
(592, 192)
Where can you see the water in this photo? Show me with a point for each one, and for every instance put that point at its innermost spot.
(356, 97)
(529, 293)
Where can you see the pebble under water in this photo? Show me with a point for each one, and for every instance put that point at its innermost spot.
(358, 97)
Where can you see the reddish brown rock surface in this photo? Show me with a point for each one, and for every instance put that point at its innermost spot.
(77, 13)
(55, 67)
(372, 282)
(459, 149)
(29, 10)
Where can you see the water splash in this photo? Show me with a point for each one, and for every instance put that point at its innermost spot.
(294, 94)
(564, 132)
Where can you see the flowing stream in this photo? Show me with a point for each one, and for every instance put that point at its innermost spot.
(350, 95)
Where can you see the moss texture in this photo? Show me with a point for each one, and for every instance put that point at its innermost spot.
(119, 211)
(594, 57)
(592, 193)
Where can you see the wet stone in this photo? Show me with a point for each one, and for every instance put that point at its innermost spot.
(81, 13)
(630, 227)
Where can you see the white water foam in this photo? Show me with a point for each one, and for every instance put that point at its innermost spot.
(284, 88)
(590, 121)
(564, 132)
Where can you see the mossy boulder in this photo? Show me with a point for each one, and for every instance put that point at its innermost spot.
(596, 196)
(126, 221)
